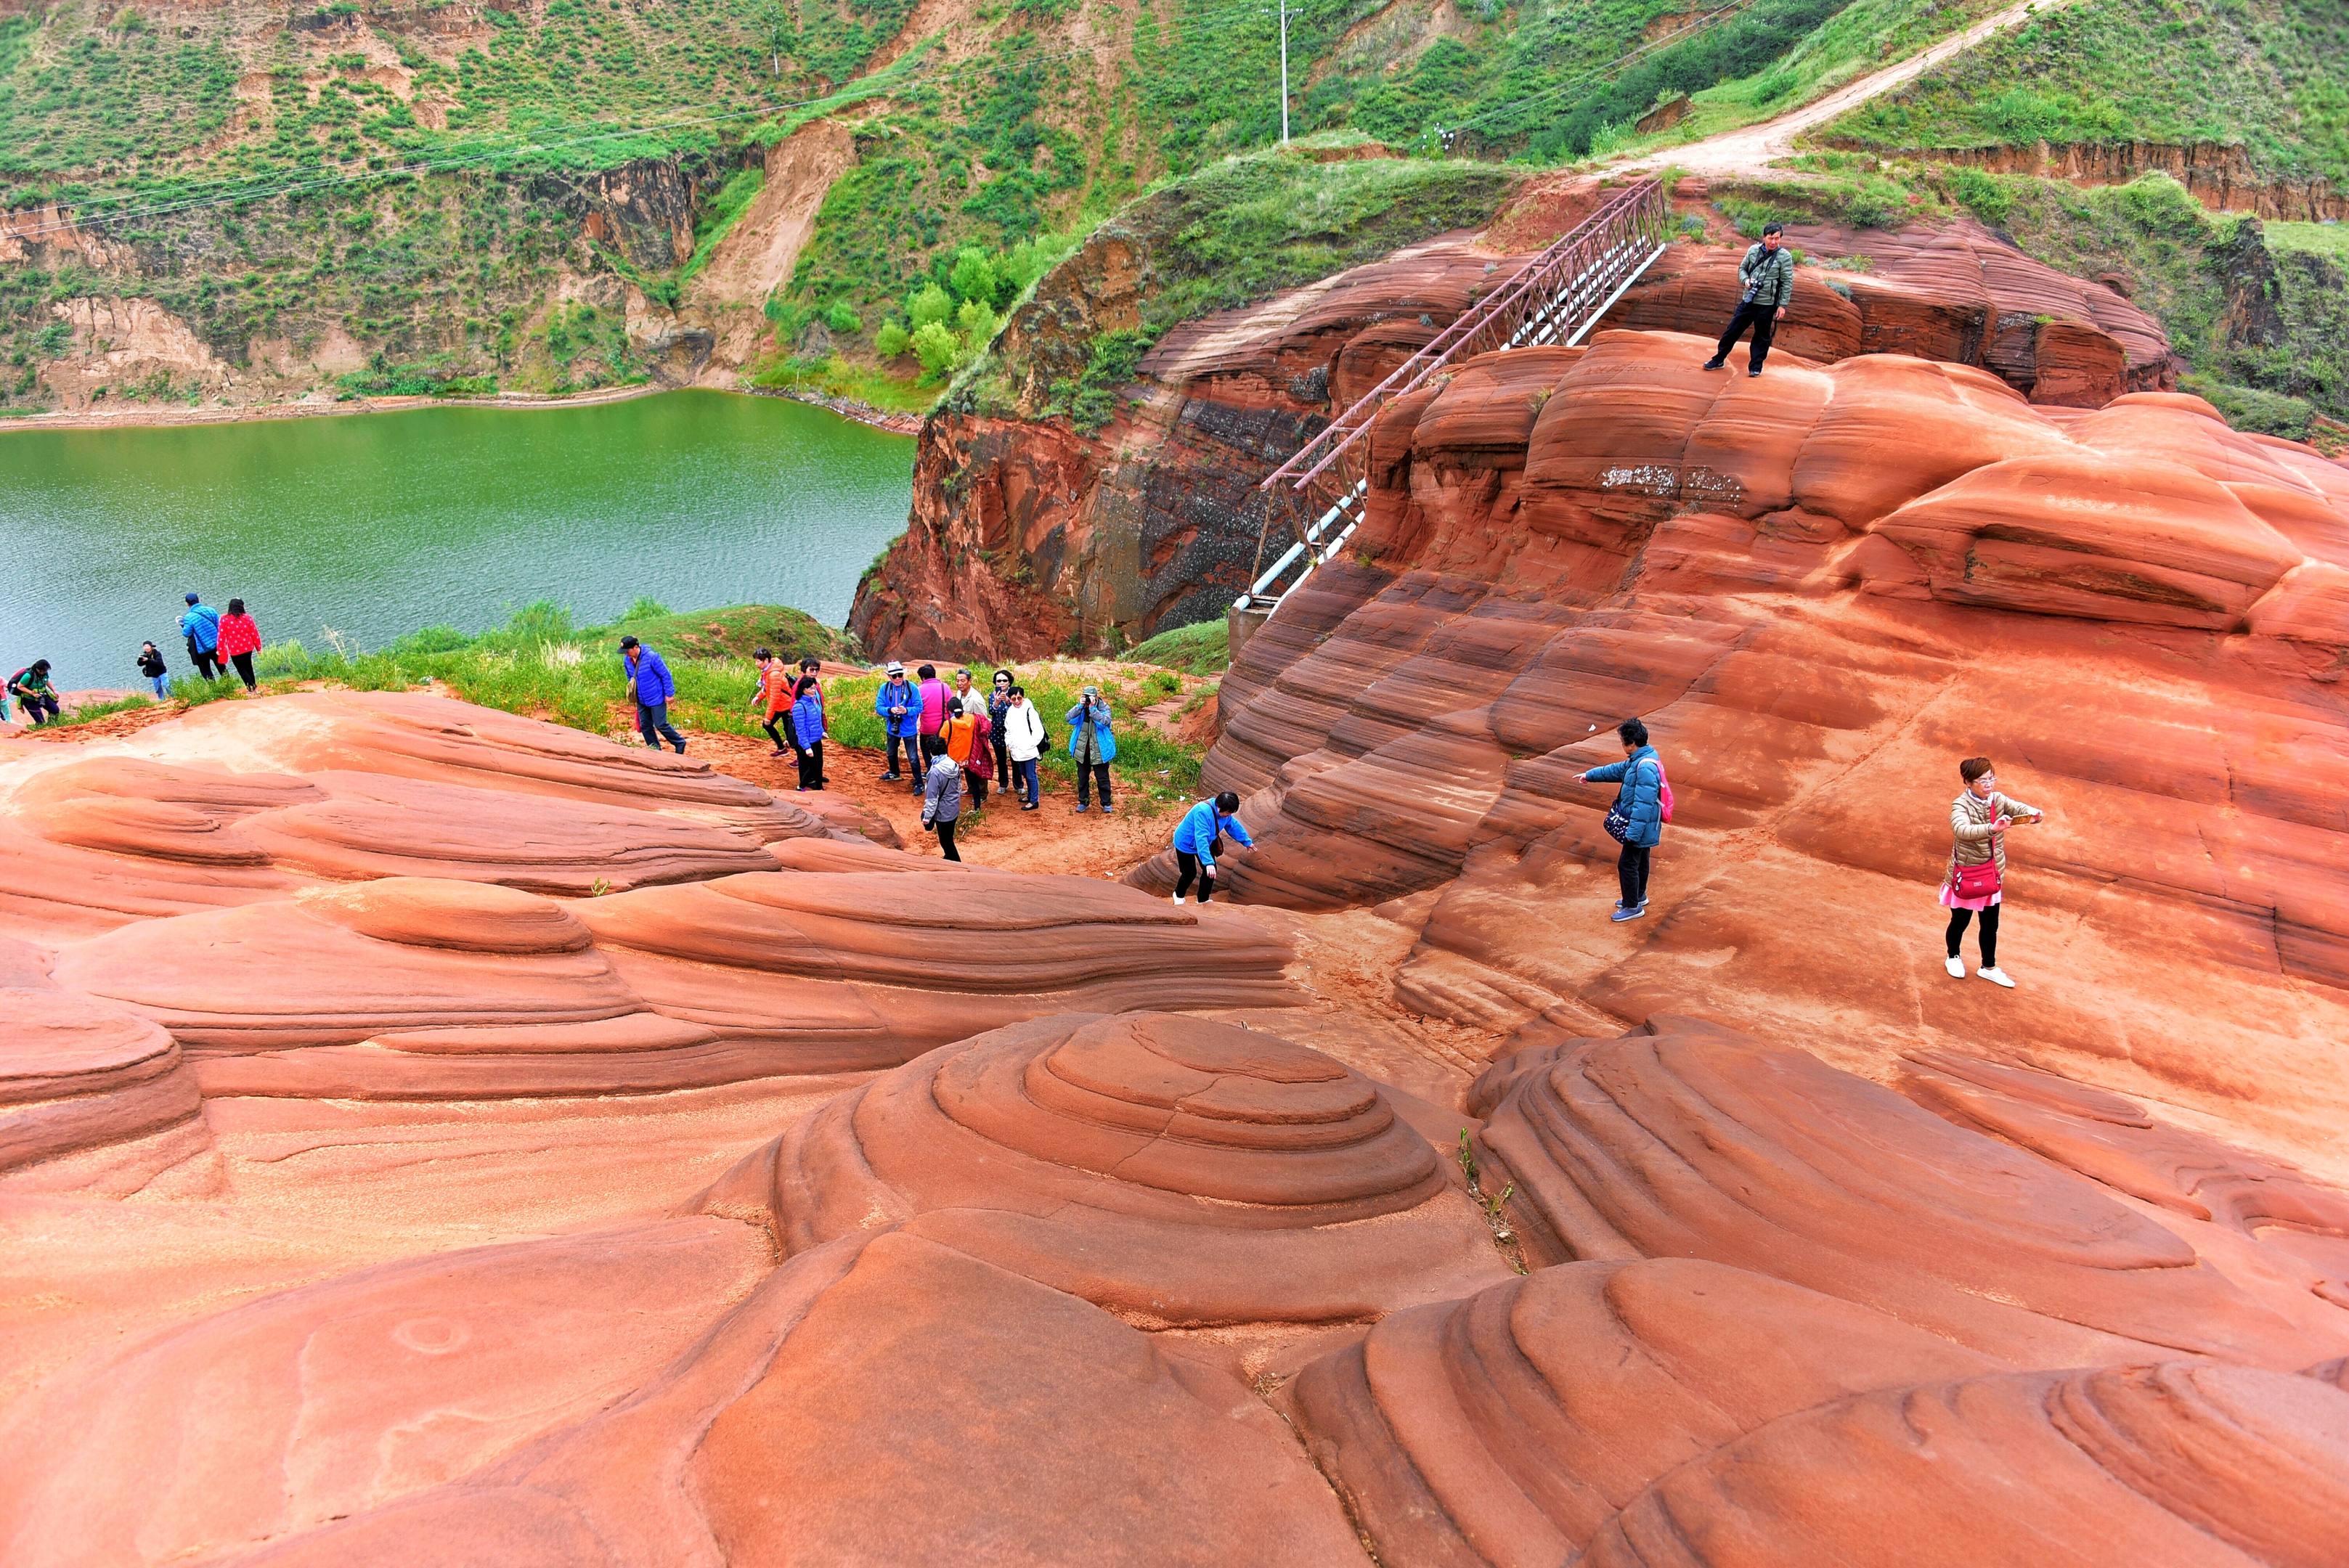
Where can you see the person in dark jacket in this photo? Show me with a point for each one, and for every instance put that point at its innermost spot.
(653, 688)
(1639, 800)
(998, 698)
(807, 729)
(1766, 281)
(151, 665)
(898, 706)
(1198, 836)
(942, 802)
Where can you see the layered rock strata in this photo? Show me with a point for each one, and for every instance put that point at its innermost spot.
(1820, 590)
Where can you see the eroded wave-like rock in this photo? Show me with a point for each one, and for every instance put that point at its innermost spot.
(1170, 1169)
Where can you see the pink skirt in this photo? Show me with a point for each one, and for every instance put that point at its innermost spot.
(1949, 900)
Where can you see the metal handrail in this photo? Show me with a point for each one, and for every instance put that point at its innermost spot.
(1322, 485)
(1440, 349)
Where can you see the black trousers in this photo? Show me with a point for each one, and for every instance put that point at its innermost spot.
(1631, 870)
(1189, 866)
(1002, 757)
(975, 788)
(1763, 319)
(1097, 773)
(810, 759)
(1957, 918)
(768, 723)
(945, 840)
(243, 663)
(206, 663)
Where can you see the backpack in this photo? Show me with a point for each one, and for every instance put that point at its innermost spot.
(1663, 791)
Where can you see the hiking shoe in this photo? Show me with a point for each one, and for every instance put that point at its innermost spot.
(1957, 967)
(1082, 807)
(1178, 898)
(1996, 977)
(1753, 372)
(1029, 807)
(885, 778)
(1713, 364)
(1632, 913)
(1109, 811)
(777, 752)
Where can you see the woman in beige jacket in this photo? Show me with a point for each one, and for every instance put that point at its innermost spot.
(1979, 819)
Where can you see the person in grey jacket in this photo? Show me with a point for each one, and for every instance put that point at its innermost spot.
(942, 802)
(1766, 282)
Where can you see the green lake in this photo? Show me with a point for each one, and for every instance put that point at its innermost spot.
(376, 524)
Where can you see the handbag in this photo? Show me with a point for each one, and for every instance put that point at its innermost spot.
(1975, 880)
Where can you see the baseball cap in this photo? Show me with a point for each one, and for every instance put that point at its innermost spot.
(194, 600)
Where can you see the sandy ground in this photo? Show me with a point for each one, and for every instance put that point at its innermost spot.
(1752, 149)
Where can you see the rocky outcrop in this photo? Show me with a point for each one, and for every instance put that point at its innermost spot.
(1029, 535)
(2219, 175)
(1820, 590)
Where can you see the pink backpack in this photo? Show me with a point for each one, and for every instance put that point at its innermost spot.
(1664, 790)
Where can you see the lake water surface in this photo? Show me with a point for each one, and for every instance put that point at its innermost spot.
(375, 524)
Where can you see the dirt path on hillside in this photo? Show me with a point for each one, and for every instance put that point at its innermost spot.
(1751, 148)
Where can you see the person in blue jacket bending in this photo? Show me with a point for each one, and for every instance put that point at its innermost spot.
(1198, 838)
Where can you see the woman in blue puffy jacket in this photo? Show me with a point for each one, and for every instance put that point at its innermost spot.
(1639, 803)
(807, 728)
(1091, 746)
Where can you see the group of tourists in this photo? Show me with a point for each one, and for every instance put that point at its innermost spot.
(959, 740)
(216, 643)
(1972, 883)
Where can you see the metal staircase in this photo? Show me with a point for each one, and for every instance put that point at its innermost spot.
(1556, 297)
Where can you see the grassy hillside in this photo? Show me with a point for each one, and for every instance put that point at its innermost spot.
(388, 196)
(2265, 75)
(455, 196)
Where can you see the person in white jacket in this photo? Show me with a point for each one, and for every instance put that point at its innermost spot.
(1023, 739)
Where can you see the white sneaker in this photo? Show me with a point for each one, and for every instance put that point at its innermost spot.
(1178, 898)
(1957, 967)
(1996, 977)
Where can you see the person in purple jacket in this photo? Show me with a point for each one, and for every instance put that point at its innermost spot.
(653, 688)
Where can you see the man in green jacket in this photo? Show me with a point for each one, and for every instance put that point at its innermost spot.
(1767, 278)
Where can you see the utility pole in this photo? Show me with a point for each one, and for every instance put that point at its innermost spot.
(1284, 73)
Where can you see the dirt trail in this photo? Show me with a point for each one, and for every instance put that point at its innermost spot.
(1751, 148)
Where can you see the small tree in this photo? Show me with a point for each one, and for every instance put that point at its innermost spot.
(973, 277)
(892, 340)
(977, 322)
(935, 346)
(840, 317)
(930, 307)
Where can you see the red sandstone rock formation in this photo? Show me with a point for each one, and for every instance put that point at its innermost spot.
(1820, 590)
(1027, 534)
(950, 1230)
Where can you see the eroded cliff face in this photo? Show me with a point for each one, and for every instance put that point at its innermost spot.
(1029, 534)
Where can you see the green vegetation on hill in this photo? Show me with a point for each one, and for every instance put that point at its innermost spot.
(2264, 75)
(1201, 649)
